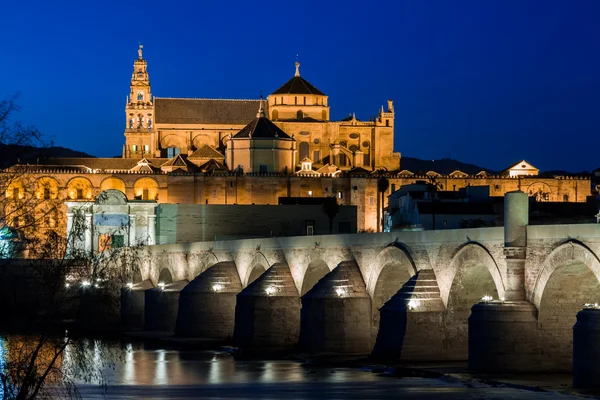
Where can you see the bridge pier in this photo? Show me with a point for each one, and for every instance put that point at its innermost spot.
(267, 312)
(161, 306)
(99, 308)
(132, 305)
(503, 334)
(586, 348)
(207, 304)
(336, 313)
(411, 323)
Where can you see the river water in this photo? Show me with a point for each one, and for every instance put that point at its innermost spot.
(139, 372)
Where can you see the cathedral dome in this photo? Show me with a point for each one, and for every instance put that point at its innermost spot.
(298, 85)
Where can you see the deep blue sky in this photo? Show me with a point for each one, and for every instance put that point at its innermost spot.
(488, 82)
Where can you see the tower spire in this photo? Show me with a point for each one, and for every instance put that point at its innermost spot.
(297, 66)
(261, 111)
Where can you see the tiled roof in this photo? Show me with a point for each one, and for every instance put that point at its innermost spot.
(176, 161)
(212, 166)
(298, 85)
(261, 128)
(206, 152)
(97, 163)
(204, 111)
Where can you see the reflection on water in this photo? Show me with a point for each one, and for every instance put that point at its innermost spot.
(134, 371)
(158, 367)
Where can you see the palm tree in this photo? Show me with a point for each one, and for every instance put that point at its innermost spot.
(382, 186)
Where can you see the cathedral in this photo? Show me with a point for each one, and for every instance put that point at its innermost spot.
(202, 152)
(275, 135)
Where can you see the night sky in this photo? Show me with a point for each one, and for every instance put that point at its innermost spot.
(487, 82)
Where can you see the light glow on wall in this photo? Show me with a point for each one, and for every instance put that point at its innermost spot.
(217, 287)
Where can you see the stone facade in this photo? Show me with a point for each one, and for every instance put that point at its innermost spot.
(164, 127)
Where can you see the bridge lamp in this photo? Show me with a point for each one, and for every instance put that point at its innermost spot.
(270, 290)
(161, 285)
(67, 285)
(412, 304)
(85, 283)
(217, 287)
(486, 298)
(130, 285)
(340, 291)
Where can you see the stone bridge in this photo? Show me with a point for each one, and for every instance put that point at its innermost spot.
(405, 295)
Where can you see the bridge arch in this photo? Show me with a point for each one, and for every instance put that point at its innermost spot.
(316, 270)
(569, 278)
(471, 255)
(255, 269)
(200, 262)
(473, 274)
(393, 254)
(165, 276)
(392, 268)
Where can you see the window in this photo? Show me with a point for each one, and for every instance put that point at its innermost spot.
(281, 99)
(262, 169)
(304, 100)
(46, 193)
(146, 148)
(118, 241)
(140, 96)
(393, 187)
(310, 193)
(173, 151)
(342, 160)
(275, 100)
(275, 115)
(310, 227)
(316, 141)
(387, 122)
(303, 150)
(295, 100)
(340, 195)
(566, 198)
(145, 194)
(134, 148)
(299, 114)
(367, 159)
(353, 148)
(79, 194)
(316, 156)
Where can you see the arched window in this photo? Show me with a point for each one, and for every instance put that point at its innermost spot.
(303, 150)
(275, 115)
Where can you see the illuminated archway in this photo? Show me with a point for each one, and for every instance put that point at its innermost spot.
(145, 189)
(46, 188)
(79, 188)
(112, 183)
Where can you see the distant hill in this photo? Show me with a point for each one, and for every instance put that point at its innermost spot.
(443, 166)
(13, 154)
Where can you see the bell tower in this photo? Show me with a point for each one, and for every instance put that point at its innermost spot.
(139, 112)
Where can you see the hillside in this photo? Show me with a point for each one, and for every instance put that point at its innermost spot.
(13, 154)
(443, 166)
